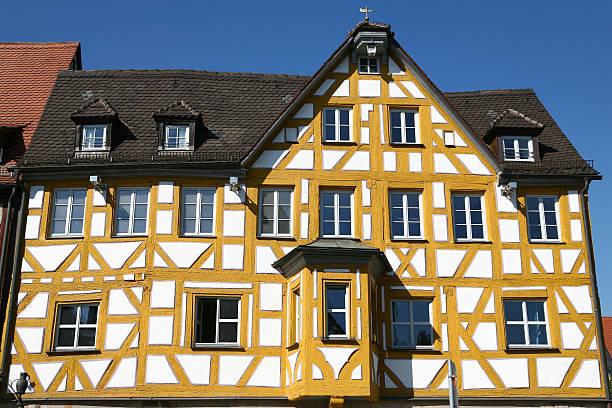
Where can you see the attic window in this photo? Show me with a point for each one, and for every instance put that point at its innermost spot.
(94, 137)
(176, 124)
(177, 137)
(368, 65)
(517, 148)
(94, 127)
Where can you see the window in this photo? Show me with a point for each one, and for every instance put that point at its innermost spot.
(404, 126)
(338, 124)
(295, 324)
(405, 210)
(411, 324)
(68, 211)
(368, 65)
(132, 210)
(517, 148)
(94, 137)
(468, 217)
(337, 310)
(177, 137)
(526, 323)
(76, 326)
(198, 211)
(217, 320)
(275, 212)
(337, 213)
(543, 218)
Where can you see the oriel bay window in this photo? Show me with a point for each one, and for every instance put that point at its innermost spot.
(468, 217)
(411, 325)
(405, 211)
(543, 218)
(217, 321)
(526, 323)
(275, 212)
(337, 213)
(198, 210)
(76, 326)
(337, 310)
(68, 211)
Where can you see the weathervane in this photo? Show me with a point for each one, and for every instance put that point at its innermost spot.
(366, 11)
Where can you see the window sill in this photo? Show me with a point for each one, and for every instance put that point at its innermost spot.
(531, 349)
(293, 346)
(334, 340)
(277, 237)
(92, 154)
(416, 349)
(340, 142)
(194, 235)
(129, 236)
(399, 144)
(403, 239)
(546, 241)
(81, 236)
(72, 351)
(473, 241)
(217, 347)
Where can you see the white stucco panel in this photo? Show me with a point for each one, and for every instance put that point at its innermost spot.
(32, 338)
(233, 256)
(485, 336)
(474, 377)
(509, 231)
(50, 257)
(447, 261)
(196, 367)
(184, 254)
(303, 160)
(270, 159)
(165, 192)
(576, 230)
(359, 161)
(439, 200)
(271, 296)
(264, 258)
(552, 370)
(337, 357)
(116, 253)
(580, 297)
(37, 309)
(418, 262)
(233, 223)
(231, 368)
(415, 164)
(436, 116)
(116, 333)
(125, 374)
(270, 332)
(440, 227)
(267, 373)
(324, 87)
(415, 373)
(395, 91)
(95, 369)
(119, 304)
(163, 224)
(511, 261)
(568, 259)
(368, 87)
(545, 257)
(343, 90)
(161, 330)
(588, 375)
(98, 224)
(573, 200)
(389, 161)
(305, 112)
(159, 371)
(442, 164)
(481, 266)
(467, 299)
(162, 294)
(513, 372)
(473, 164)
(46, 372)
(32, 226)
(571, 335)
(331, 158)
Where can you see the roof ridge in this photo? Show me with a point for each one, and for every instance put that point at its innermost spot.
(175, 70)
(493, 91)
(41, 44)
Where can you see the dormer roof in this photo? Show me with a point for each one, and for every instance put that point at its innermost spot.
(511, 118)
(96, 108)
(177, 110)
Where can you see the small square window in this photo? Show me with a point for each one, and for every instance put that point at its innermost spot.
(517, 148)
(337, 213)
(76, 326)
(543, 218)
(338, 124)
(404, 126)
(469, 217)
(217, 321)
(94, 137)
(177, 137)
(275, 212)
(198, 210)
(526, 323)
(132, 211)
(337, 310)
(68, 211)
(411, 324)
(405, 210)
(368, 65)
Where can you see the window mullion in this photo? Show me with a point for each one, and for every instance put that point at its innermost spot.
(132, 210)
(468, 217)
(217, 321)
(275, 212)
(336, 214)
(198, 212)
(68, 214)
(405, 211)
(337, 125)
(525, 322)
(76, 327)
(542, 218)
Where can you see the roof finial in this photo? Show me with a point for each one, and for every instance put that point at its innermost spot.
(366, 11)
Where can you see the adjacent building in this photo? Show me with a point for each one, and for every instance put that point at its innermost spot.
(233, 239)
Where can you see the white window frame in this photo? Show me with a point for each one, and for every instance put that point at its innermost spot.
(515, 140)
(132, 210)
(417, 133)
(542, 218)
(84, 135)
(337, 124)
(68, 213)
(346, 310)
(468, 218)
(411, 324)
(275, 218)
(198, 218)
(405, 215)
(525, 322)
(368, 65)
(219, 320)
(337, 213)
(76, 326)
(166, 131)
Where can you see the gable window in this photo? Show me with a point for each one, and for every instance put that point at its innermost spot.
(411, 324)
(338, 124)
(198, 209)
(517, 148)
(76, 326)
(468, 216)
(132, 210)
(177, 137)
(404, 126)
(68, 211)
(94, 137)
(543, 218)
(405, 210)
(337, 310)
(337, 213)
(368, 65)
(217, 320)
(275, 212)
(526, 323)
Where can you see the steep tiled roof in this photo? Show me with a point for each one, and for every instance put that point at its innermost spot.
(607, 332)
(237, 108)
(27, 74)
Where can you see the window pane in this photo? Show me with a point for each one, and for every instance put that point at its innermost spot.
(228, 308)
(267, 212)
(58, 227)
(401, 336)
(328, 228)
(207, 196)
(336, 297)
(537, 334)
(396, 135)
(140, 226)
(552, 233)
(61, 212)
(65, 338)
(423, 335)
(515, 334)
(396, 200)
(420, 311)
(284, 212)
(401, 311)
(228, 332)
(123, 226)
(414, 229)
(68, 314)
(396, 119)
(140, 211)
(476, 217)
(344, 199)
(89, 314)
(459, 203)
(477, 232)
(206, 226)
(284, 197)
(460, 231)
(460, 217)
(412, 200)
(330, 132)
(125, 196)
(330, 116)
(550, 218)
(78, 196)
(532, 203)
(409, 119)
(87, 337)
(78, 211)
(336, 323)
(397, 229)
(189, 226)
(206, 210)
(327, 213)
(474, 203)
(344, 214)
(344, 117)
(142, 196)
(413, 214)
(345, 228)
(345, 134)
(189, 210)
(535, 311)
(190, 196)
(61, 196)
(123, 211)
(283, 227)
(76, 226)
(513, 311)
(549, 204)
(267, 227)
(327, 199)
(397, 214)
(206, 320)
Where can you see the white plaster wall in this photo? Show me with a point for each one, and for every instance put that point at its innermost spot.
(233, 223)
(37, 195)
(161, 330)
(165, 192)
(368, 87)
(509, 231)
(270, 332)
(98, 224)
(271, 296)
(32, 226)
(164, 222)
(511, 261)
(162, 294)
(233, 256)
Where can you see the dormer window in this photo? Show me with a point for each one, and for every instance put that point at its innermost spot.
(368, 65)
(177, 137)
(517, 148)
(94, 137)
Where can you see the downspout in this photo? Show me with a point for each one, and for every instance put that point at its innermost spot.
(7, 227)
(6, 347)
(596, 306)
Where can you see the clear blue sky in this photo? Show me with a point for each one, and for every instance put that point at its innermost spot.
(562, 49)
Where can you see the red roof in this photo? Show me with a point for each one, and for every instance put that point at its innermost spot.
(607, 331)
(27, 75)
